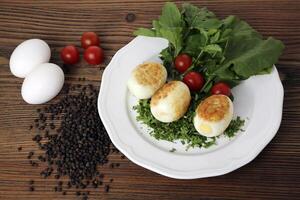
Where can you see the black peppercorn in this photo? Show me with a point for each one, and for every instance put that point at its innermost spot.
(130, 17)
(31, 188)
(78, 145)
(106, 188)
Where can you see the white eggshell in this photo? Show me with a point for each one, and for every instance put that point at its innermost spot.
(28, 55)
(43, 83)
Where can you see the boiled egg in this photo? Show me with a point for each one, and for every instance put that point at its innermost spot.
(170, 102)
(146, 79)
(42, 84)
(213, 115)
(28, 55)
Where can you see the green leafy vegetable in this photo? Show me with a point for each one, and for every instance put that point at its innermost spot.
(183, 129)
(234, 127)
(199, 18)
(228, 50)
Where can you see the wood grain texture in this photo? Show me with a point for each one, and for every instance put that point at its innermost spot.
(274, 174)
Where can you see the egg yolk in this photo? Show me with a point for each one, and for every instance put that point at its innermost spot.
(205, 128)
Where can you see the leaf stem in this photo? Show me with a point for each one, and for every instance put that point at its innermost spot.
(198, 57)
(207, 82)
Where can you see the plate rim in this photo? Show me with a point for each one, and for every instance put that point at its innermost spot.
(129, 153)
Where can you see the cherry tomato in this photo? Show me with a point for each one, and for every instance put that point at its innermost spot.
(89, 39)
(69, 54)
(221, 88)
(194, 81)
(94, 55)
(183, 62)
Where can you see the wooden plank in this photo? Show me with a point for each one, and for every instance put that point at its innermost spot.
(273, 174)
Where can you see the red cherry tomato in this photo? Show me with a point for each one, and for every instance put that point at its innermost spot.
(89, 39)
(194, 81)
(183, 62)
(94, 55)
(69, 54)
(221, 88)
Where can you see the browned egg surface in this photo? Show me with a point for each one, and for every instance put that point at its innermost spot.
(149, 73)
(163, 92)
(213, 108)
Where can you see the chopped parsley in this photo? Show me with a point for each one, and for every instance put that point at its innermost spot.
(182, 129)
(234, 127)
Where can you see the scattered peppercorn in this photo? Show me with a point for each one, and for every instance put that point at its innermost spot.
(78, 145)
(130, 17)
(31, 153)
(19, 148)
(106, 188)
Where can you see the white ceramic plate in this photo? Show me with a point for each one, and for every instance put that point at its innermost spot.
(258, 100)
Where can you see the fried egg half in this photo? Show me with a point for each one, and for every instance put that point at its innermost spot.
(146, 79)
(213, 115)
(170, 102)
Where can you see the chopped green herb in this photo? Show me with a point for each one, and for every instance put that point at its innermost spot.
(172, 150)
(234, 127)
(183, 129)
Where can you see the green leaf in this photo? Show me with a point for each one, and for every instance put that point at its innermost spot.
(171, 16)
(266, 71)
(251, 55)
(215, 37)
(195, 16)
(194, 44)
(239, 27)
(144, 32)
(174, 36)
(156, 25)
(212, 48)
(228, 76)
(211, 66)
(208, 24)
(200, 18)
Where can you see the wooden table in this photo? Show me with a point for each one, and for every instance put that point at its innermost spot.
(275, 173)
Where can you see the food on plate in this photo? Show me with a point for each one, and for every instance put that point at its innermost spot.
(89, 39)
(28, 55)
(183, 62)
(213, 115)
(146, 79)
(170, 102)
(194, 80)
(221, 88)
(211, 56)
(94, 55)
(42, 84)
(69, 54)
